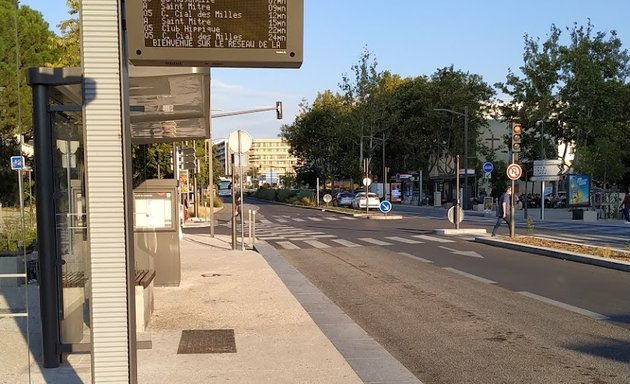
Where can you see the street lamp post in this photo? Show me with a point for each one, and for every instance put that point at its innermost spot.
(465, 116)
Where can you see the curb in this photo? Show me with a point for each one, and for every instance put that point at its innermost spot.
(565, 255)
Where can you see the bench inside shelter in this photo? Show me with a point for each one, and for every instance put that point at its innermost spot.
(73, 299)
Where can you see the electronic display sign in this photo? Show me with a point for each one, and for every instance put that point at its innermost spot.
(215, 33)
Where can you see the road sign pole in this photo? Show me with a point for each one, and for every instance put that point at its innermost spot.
(456, 211)
(512, 212)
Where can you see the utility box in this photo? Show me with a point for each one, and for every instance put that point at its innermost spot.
(156, 230)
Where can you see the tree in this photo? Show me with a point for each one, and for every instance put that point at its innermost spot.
(578, 91)
(70, 40)
(318, 139)
(25, 41)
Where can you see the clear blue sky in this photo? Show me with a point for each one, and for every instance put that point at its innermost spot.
(407, 37)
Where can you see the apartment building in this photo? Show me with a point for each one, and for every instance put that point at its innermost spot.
(268, 159)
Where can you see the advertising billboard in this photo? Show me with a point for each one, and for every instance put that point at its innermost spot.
(579, 190)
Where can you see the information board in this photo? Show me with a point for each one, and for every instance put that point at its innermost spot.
(153, 210)
(215, 33)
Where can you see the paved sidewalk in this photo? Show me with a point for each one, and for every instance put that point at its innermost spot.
(262, 301)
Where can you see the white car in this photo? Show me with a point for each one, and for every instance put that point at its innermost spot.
(360, 201)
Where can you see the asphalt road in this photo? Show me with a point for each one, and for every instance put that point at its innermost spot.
(455, 311)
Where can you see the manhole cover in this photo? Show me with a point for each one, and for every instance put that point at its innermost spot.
(207, 341)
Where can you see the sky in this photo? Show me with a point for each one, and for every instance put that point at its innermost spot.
(406, 37)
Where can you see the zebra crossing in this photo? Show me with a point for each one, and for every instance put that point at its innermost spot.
(279, 233)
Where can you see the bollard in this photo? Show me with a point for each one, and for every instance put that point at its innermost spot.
(249, 214)
(254, 230)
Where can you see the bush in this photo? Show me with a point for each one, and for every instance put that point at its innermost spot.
(286, 195)
(14, 238)
(266, 194)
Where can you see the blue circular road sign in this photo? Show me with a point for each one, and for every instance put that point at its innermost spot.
(488, 167)
(385, 206)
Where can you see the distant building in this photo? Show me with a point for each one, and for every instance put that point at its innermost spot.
(223, 155)
(268, 159)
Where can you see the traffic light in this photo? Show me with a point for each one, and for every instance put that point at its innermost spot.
(517, 131)
(279, 110)
(186, 158)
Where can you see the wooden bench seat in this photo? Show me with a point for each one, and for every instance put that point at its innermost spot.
(73, 284)
(144, 277)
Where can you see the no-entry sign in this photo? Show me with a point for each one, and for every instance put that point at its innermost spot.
(514, 171)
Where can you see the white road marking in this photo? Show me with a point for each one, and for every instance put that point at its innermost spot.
(271, 237)
(374, 241)
(323, 236)
(317, 244)
(433, 238)
(265, 221)
(463, 253)
(470, 276)
(287, 245)
(298, 219)
(582, 311)
(403, 240)
(315, 219)
(282, 220)
(332, 218)
(346, 243)
(409, 255)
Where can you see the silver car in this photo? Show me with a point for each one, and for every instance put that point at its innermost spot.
(343, 199)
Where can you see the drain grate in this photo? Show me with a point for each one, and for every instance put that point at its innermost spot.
(207, 341)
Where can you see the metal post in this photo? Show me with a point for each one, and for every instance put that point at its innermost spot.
(254, 230)
(211, 186)
(196, 195)
(542, 200)
(420, 202)
(317, 193)
(466, 197)
(21, 187)
(457, 201)
(512, 213)
(49, 275)
(384, 169)
(249, 226)
(240, 183)
(233, 206)
(367, 206)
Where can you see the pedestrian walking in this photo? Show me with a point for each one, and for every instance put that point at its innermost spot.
(625, 206)
(503, 210)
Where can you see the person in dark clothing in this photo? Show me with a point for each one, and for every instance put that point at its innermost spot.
(503, 209)
(625, 205)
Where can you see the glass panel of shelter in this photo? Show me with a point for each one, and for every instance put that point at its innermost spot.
(71, 227)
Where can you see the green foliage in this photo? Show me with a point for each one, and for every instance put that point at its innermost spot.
(25, 41)
(155, 161)
(13, 237)
(266, 194)
(530, 225)
(70, 40)
(574, 91)
(285, 194)
(389, 120)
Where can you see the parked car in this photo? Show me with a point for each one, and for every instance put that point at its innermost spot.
(343, 199)
(360, 201)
